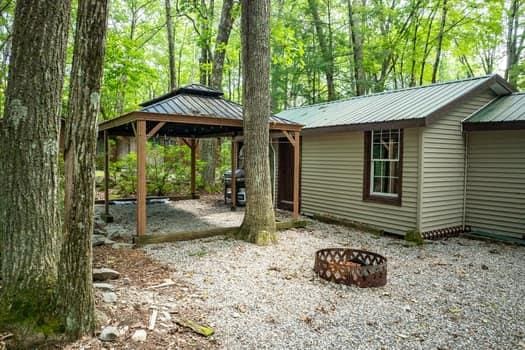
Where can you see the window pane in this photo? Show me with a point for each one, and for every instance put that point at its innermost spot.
(378, 168)
(395, 135)
(376, 136)
(376, 186)
(376, 151)
(395, 149)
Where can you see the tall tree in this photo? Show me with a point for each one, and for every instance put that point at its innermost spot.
(435, 68)
(515, 39)
(357, 47)
(259, 221)
(171, 45)
(326, 51)
(30, 229)
(75, 287)
(221, 42)
(210, 147)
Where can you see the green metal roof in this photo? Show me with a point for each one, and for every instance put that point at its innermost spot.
(410, 106)
(509, 108)
(504, 113)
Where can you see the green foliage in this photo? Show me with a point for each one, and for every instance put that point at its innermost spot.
(168, 171)
(123, 173)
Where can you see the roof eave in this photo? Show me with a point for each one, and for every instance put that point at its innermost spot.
(391, 124)
(494, 126)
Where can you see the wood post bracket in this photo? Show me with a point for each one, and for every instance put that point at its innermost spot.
(155, 129)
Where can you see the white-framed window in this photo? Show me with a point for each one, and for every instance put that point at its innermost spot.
(385, 162)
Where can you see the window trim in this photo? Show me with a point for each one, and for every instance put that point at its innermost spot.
(376, 197)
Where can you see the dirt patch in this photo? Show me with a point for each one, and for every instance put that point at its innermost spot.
(138, 299)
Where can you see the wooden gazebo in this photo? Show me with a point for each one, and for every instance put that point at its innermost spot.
(190, 112)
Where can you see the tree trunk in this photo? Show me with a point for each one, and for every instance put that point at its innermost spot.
(30, 229)
(259, 220)
(223, 35)
(75, 287)
(435, 68)
(171, 45)
(357, 50)
(515, 41)
(210, 147)
(328, 58)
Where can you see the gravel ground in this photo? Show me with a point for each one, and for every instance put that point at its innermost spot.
(451, 294)
(173, 216)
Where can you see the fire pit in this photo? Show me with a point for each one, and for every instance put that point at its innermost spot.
(350, 266)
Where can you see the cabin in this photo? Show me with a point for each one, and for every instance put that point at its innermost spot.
(438, 159)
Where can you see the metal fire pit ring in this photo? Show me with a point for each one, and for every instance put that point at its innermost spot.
(351, 266)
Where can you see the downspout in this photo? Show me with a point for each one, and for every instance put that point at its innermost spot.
(465, 176)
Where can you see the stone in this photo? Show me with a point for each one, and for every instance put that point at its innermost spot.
(109, 333)
(140, 335)
(101, 318)
(105, 274)
(109, 297)
(98, 240)
(122, 246)
(105, 287)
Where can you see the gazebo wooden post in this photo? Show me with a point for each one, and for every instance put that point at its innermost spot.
(107, 217)
(296, 175)
(234, 175)
(193, 147)
(141, 177)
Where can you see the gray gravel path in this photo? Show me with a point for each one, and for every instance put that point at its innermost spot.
(455, 294)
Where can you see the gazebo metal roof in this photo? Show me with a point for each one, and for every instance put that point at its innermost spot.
(191, 111)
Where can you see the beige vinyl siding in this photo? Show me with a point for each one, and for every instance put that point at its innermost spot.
(443, 166)
(332, 181)
(496, 182)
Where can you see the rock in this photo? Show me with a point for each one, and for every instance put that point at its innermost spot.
(99, 228)
(140, 335)
(98, 240)
(105, 287)
(101, 318)
(484, 267)
(109, 333)
(105, 274)
(109, 297)
(122, 246)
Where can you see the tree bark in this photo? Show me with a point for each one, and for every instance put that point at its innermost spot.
(259, 221)
(357, 50)
(328, 58)
(223, 36)
(435, 68)
(30, 230)
(210, 147)
(515, 41)
(171, 45)
(75, 287)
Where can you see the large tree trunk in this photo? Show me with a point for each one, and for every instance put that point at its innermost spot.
(30, 229)
(75, 287)
(357, 49)
(328, 57)
(171, 45)
(259, 220)
(435, 68)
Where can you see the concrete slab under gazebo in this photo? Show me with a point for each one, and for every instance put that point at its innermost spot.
(190, 112)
